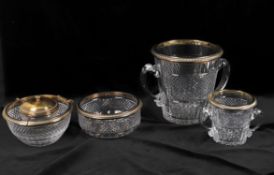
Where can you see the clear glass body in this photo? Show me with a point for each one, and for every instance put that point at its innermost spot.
(109, 127)
(230, 127)
(184, 89)
(41, 135)
(185, 83)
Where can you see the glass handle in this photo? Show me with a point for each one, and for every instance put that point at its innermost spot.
(255, 113)
(143, 77)
(205, 118)
(223, 64)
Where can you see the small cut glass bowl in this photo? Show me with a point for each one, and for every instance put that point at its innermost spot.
(109, 114)
(38, 120)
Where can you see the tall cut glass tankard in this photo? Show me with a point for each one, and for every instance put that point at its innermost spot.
(186, 71)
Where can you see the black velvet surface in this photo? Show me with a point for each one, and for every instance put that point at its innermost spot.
(156, 147)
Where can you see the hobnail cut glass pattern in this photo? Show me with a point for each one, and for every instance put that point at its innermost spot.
(41, 135)
(183, 89)
(113, 127)
(185, 92)
(230, 127)
(186, 71)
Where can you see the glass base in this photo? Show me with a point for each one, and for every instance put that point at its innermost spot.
(39, 136)
(112, 135)
(227, 136)
(180, 119)
(42, 142)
